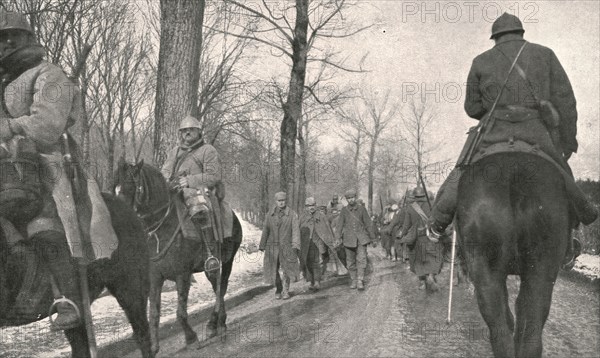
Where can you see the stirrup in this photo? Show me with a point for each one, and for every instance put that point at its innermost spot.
(53, 308)
(212, 264)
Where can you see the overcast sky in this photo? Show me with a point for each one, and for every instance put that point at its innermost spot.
(431, 44)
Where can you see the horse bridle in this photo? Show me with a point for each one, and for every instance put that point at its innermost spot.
(140, 198)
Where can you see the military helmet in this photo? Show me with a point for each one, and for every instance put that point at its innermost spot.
(14, 21)
(190, 122)
(418, 192)
(506, 23)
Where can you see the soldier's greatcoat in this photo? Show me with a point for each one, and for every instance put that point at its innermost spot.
(280, 238)
(427, 255)
(42, 103)
(200, 164)
(354, 226)
(515, 114)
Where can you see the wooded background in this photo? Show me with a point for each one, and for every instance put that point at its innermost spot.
(308, 125)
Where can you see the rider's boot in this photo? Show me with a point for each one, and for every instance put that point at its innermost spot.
(444, 207)
(53, 249)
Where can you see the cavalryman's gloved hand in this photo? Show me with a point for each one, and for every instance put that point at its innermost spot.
(174, 185)
(183, 182)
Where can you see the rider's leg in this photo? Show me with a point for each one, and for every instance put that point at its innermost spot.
(444, 207)
(52, 247)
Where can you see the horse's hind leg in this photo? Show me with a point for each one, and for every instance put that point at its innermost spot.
(533, 307)
(132, 296)
(183, 282)
(490, 289)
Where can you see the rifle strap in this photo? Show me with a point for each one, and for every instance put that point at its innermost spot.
(491, 112)
(420, 212)
(523, 75)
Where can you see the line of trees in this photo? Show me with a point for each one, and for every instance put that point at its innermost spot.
(151, 63)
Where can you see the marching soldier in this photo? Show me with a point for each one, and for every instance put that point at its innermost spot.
(315, 236)
(537, 87)
(280, 241)
(427, 259)
(355, 231)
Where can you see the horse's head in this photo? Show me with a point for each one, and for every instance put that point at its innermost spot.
(141, 186)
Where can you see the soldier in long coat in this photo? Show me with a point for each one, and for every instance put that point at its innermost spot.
(190, 168)
(391, 225)
(38, 103)
(355, 230)
(427, 254)
(280, 242)
(519, 112)
(334, 208)
(316, 237)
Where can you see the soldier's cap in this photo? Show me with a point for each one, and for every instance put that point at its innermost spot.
(10, 20)
(190, 122)
(506, 23)
(350, 193)
(280, 195)
(310, 201)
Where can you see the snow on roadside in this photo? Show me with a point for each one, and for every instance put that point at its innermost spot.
(110, 322)
(588, 265)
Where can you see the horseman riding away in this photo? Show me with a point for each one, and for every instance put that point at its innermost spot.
(516, 202)
(190, 227)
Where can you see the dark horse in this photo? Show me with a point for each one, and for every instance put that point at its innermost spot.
(176, 258)
(513, 218)
(125, 275)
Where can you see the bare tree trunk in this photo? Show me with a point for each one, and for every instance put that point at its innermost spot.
(356, 157)
(178, 70)
(292, 109)
(264, 188)
(301, 194)
(370, 175)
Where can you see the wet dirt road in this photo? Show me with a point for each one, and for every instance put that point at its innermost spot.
(390, 318)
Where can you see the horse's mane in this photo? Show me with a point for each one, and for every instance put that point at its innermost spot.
(155, 183)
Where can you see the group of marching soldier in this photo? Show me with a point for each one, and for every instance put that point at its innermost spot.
(404, 236)
(307, 242)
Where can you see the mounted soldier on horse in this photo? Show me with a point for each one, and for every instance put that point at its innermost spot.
(51, 214)
(534, 112)
(189, 225)
(513, 193)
